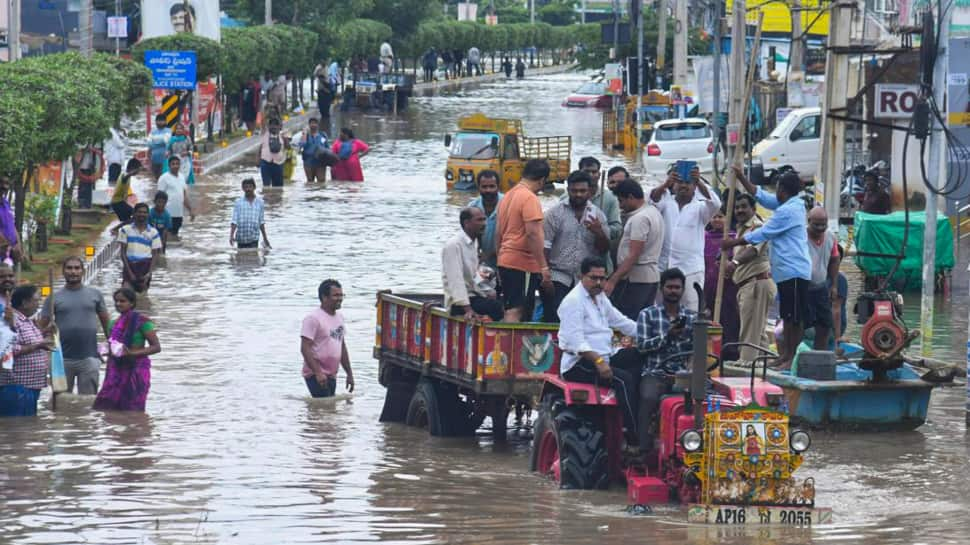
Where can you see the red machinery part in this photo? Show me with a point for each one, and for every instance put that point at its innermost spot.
(882, 334)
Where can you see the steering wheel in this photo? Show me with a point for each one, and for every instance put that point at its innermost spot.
(684, 355)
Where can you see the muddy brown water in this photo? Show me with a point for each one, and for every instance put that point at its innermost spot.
(232, 450)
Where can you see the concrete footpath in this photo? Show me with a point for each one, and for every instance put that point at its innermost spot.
(223, 156)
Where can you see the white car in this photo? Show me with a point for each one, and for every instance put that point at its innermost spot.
(673, 140)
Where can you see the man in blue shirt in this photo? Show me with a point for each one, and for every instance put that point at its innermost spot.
(487, 201)
(791, 265)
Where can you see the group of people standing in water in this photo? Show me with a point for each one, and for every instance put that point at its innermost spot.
(66, 329)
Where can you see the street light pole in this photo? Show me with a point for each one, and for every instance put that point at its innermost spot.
(269, 13)
(117, 39)
(717, 82)
(532, 11)
(661, 40)
(85, 29)
(13, 31)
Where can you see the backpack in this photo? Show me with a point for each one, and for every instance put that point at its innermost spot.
(275, 143)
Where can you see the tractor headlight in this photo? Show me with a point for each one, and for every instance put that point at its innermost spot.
(800, 441)
(691, 440)
(449, 176)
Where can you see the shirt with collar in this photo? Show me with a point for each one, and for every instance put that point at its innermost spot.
(607, 202)
(488, 237)
(248, 216)
(787, 232)
(586, 324)
(653, 326)
(759, 264)
(459, 267)
(684, 232)
(568, 241)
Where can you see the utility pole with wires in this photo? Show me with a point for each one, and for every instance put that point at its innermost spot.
(836, 100)
(936, 174)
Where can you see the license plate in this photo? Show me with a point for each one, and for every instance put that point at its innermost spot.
(758, 514)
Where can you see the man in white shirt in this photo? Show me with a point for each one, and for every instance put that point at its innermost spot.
(586, 323)
(686, 214)
(114, 155)
(173, 184)
(459, 271)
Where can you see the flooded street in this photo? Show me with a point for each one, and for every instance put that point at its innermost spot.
(233, 450)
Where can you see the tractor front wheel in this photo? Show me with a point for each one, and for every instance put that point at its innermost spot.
(569, 447)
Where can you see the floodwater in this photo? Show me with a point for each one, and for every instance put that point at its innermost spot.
(232, 449)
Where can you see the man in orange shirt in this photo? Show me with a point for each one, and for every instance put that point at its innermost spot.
(520, 243)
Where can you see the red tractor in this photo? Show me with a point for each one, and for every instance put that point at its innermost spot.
(724, 445)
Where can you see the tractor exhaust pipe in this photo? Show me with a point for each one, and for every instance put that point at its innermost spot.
(698, 367)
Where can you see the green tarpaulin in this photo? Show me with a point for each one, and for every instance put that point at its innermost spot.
(883, 234)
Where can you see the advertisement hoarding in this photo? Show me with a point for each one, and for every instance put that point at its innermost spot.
(167, 17)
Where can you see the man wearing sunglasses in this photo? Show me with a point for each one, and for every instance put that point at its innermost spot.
(586, 323)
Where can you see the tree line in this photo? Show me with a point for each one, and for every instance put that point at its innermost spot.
(52, 104)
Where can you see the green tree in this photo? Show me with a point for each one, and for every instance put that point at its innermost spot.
(557, 13)
(52, 104)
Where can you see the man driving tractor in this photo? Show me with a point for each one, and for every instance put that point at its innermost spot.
(664, 338)
(663, 342)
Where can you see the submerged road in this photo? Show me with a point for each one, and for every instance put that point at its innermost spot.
(233, 450)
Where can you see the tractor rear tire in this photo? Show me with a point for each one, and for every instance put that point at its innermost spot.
(397, 399)
(425, 411)
(579, 444)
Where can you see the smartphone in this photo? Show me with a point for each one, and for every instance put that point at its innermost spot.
(684, 168)
(678, 322)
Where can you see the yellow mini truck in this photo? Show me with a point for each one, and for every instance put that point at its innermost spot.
(489, 143)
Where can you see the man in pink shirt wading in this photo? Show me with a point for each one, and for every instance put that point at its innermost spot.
(322, 343)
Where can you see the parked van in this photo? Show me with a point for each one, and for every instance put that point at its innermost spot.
(795, 143)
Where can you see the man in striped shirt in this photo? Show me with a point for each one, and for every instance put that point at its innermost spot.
(140, 245)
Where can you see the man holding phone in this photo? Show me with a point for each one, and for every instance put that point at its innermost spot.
(664, 337)
(686, 215)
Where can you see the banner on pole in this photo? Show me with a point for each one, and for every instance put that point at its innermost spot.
(167, 17)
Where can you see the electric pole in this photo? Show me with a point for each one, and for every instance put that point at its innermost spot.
(269, 12)
(796, 55)
(582, 14)
(680, 43)
(85, 28)
(13, 31)
(737, 71)
(717, 82)
(937, 175)
(836, 100)
(661, 40)
(532, 11)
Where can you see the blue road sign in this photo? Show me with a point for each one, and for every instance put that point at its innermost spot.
(172, 69)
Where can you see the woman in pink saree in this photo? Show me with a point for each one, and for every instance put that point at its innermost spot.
(128, 376)
(349, 150)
